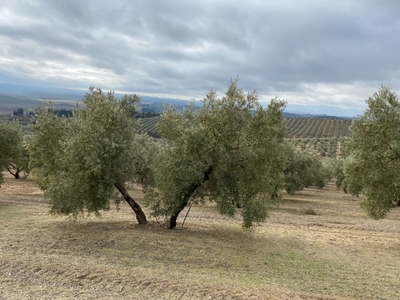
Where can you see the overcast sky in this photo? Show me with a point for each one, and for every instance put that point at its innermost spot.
(334, 53)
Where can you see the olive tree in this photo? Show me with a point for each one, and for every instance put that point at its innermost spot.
(230, 151)
(373, 167)
(19, 157)
(338, 173)
(13, 154)
(8, 138)
(304, 169)
(81, 161)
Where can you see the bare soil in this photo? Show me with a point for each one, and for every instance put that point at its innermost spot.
(336, 253)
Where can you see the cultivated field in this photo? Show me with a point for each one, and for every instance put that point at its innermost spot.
(296, 127)
(324, 137)
(337, 253)
(317, 128)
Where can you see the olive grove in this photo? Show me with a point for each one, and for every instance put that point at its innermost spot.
(231, 152)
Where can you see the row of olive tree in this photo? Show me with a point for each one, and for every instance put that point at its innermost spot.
(305, 169)
(231, 151)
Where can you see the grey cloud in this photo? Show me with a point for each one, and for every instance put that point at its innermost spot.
(187, 47)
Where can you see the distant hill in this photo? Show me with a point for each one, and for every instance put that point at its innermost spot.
(9, 103)
(314, 116)
(297, 128)
(318, 127)
(299, 125)
(319, 109)
(322, 136)
(13, 97)
(321, 133)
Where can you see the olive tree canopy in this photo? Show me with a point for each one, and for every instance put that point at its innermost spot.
(79, 161)
(230, 151)
(373, 167)
(304, 169)
(9, 138)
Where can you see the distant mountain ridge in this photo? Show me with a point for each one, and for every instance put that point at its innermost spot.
(14, 96)
(314, 116)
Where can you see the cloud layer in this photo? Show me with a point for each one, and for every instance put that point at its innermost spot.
(308, 52)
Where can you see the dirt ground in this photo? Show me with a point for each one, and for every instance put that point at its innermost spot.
(318, 244)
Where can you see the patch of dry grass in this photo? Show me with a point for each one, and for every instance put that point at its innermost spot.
(337, 254)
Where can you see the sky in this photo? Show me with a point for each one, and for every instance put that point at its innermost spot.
(329, 54)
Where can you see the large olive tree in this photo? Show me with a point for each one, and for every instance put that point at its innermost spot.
(230, 151)
(80, 161)
(373, 168)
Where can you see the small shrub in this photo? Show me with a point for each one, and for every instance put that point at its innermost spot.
(308, 211)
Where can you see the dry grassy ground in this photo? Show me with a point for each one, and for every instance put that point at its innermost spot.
(338, 253)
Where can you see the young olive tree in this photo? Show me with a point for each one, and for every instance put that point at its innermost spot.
(373, 166)
(230, 151)
(80, 161)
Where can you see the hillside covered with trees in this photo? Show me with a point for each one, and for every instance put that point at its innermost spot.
(296, 127)
(324, 137)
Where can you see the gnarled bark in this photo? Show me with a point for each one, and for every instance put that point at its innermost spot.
(140, 216)
(186, 197)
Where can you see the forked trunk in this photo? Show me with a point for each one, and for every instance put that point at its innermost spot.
(140, 216)
(16, 173)
(186, 197)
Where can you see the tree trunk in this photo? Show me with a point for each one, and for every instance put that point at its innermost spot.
(140, 216)
(186, 197)
(17, 171)
(16, 174)
(185, 200)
